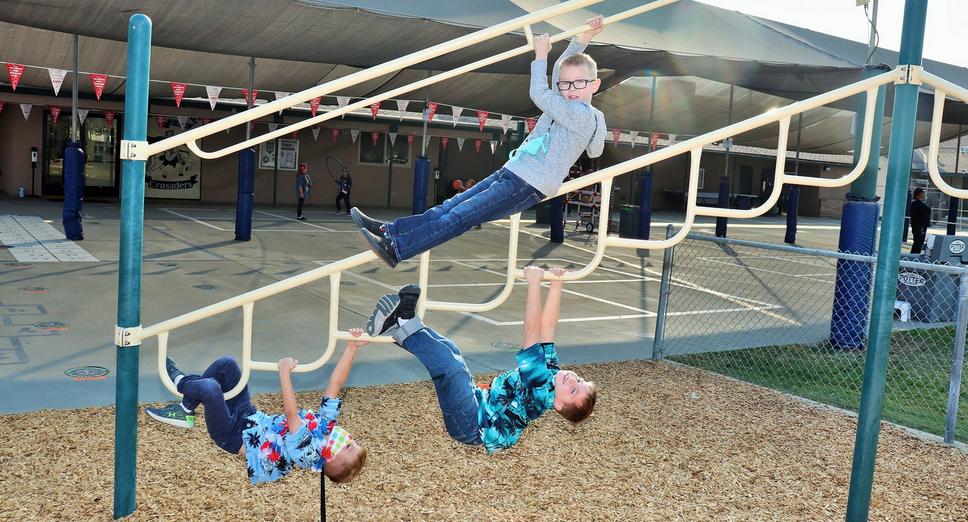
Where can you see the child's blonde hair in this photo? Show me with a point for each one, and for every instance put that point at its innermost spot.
(584, 60)
(346, 469)
(576, 414)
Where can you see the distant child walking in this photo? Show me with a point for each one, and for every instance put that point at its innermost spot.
(303, 184)
(568, 126)
(343, 187)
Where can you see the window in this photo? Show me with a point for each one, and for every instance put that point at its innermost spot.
(702, 177)
(379, 152)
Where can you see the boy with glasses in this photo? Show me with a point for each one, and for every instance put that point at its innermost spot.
(568, 126)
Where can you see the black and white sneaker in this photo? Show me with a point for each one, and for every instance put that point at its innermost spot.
(380, 246)
(409, 295)
(384, 316)
(172, 368)
(373, 226)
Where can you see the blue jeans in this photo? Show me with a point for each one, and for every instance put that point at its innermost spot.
(452, 381)
(496, 197)
(225, 419)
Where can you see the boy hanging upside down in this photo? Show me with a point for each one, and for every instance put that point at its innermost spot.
(271, 444)
(495, 417)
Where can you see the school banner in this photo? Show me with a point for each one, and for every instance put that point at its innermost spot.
(175, 173)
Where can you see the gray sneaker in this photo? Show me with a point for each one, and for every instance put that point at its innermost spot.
(173, 414)
(384, 316)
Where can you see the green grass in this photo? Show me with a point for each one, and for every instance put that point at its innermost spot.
(916, 391)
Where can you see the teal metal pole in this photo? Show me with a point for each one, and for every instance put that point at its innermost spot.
(885, 279)
(129, 266)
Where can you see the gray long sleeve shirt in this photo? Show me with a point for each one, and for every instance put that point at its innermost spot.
(564, 130)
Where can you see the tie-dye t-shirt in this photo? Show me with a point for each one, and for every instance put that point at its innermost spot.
(271, 450)
(518, 396)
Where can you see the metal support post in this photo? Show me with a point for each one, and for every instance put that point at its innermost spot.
(885, 279)
(129, 266)
(665, 288)
(957, 361)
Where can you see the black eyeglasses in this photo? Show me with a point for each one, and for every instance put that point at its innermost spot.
(576, 84)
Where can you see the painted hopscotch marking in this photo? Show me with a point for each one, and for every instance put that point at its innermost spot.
(31, 239)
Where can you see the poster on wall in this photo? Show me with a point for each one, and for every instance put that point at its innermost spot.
(288, 154)
(175, 173)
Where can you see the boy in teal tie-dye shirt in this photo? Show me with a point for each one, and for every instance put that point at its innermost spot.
(496, 416)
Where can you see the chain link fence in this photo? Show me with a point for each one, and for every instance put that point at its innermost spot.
(796, 320)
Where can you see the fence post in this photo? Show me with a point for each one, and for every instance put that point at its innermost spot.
(957, 361)
(664, 286)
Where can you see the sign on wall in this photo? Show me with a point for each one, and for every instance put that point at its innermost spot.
(175, 173)
(288, 154)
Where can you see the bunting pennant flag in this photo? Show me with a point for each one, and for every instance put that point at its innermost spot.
(280, 95)
(393, 138)
(15, 70)
(183, 122)
(531, 123)
(99, 81)
(335, 134)
(161, 121)
(354, 133)
(213, 93)
(460, 143)
(295, 134)
(178, 90)
(477, 145)
(505, 122)
(444, 140)
(633, 137)
(206, 121)
(402, 107)
(431, 110)
(314, 105)
(25, 108)
(672, 139)
(616, 135)
(315, 133)
(457, 111)
(82, 115)
(245, 95)
(375, 136)
(482, 119)
(342, 101)
(654, 140)
(108, 118)
(410, 138)
(493, 146)
(272, 126)
(56, 79)
(374, 109)
(54, 113)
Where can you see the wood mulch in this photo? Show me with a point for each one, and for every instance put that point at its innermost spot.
(665, 443)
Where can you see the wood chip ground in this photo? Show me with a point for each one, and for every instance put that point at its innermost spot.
(665, 443)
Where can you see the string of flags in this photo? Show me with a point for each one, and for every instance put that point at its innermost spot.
(99, 83)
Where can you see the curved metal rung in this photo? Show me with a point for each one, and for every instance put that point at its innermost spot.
(191, 137)
(941, 90)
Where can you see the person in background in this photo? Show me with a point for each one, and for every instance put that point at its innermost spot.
(345, 185)
(920, 220)
(302, 190)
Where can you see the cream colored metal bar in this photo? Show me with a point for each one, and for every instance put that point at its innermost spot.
(368, 74)
(942, 88)
(423, 280)
(528, 35)
(259, 293)
(781, 115)
(508, 283)
(327, 88)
